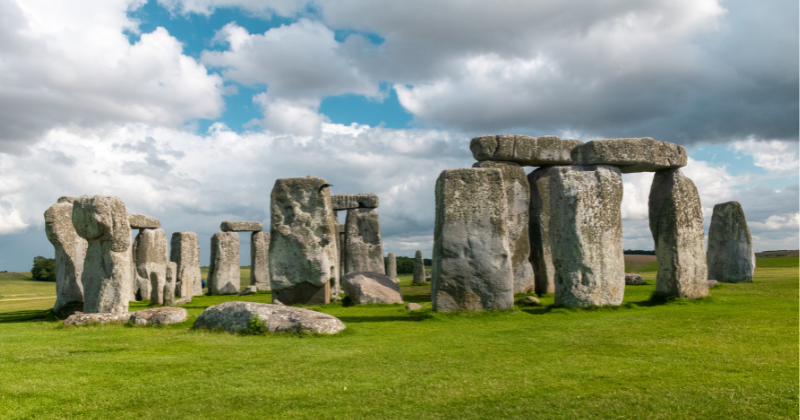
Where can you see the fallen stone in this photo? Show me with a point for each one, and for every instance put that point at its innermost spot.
(524, 150)
(185, 251)
(170, 284)
(471, 256)
(234, 317)
(530, 299)
(249, 290)
(183, 301)
(151, 254)
(631, 155)
(633, 279)
(223, 271)
(731, 257)
(259, 261)
(366, 287)
(712, 283)
(413, 307)
(391, 267)
(676, 221)
(363, 247)
(354, 201)
(159, 316)
(97, 318)
(419, 268)
(142, 221)
(70, 253)
(241, 227)
(539, 230)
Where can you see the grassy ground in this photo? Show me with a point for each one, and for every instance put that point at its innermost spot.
(733, 355)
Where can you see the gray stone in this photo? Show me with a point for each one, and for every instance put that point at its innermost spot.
(391, 267)
(143, 221)
(731, 257)
(586, 235)
(712, 283)
(67, 199)
(340, 245)
(524, 150)
(151, 254)
(369, 287)
(363, 248)
(518, 196)
(159, 316)
(97, 318)
(530, 299)
(633, 279)
(223, 272)
(471, 256)
(183, 301)
(106, 276)
(249, 290)
(234, 317)
(171, 284)
(413, 307)
(241, 227)
(676, 221)
(631, 155)
(303, 257)
(539, 230)
(259, 261)
(185, 251)
(70, 252)
(419, 268)
(354, 201)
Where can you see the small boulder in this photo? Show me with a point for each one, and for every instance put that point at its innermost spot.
(159, 316)
(530, 299)
(234, 317)
(413, 307)
(183, 301)
(633, 279)
(365, 287)
(249, 290)
(712, 283)
(97, 318)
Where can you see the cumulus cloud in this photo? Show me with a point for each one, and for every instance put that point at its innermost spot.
(777, 157)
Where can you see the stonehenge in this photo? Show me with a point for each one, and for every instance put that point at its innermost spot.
(731, 257)
(150, 256)
(363, 250)
(185, 252)
(70, 252)
(259, 261)
(223, 270)
(419, 268)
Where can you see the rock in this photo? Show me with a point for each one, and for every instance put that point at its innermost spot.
(524, 150)
(676, 221)
(249, 290)
(185, 251)
(97, 318)
(303, 258)
(633, 279)
(340, 246)
(365, 287)
(631, 155)
(586, 235)
(66, 199)
(241, 227)
(234, 317)
(223, 272)
(413, 307)
(170, 284)
(159, 316)
(391, 267)
(539, 230)
(259, 260)
(354, 201)
(530, 299)
(712, 283)
(518, 196)
(142, 221)
(70, 252)
(106, 276)
(183, 301)
(471, 256)
(151, 254)
(731, 258)
(419, 268)
(363, 248)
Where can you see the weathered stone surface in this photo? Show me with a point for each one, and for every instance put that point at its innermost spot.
(712, 283)
(419, 268)
(633, 279)
(471, 256)
(363, 248)
(241, 226)
(70, 253)
(159, 316)
(234, 317)
(586, 235)
(303, 241)
(223, 272)
(183, 301)
(151, 254)
(341, 234)
(143, 221)
(354, 201)
(518, 196)
(676, 221)
(185, 251)
(249, 290)
(259, 260)
(731, 257)
(97, 318)
(106, 276)
(171, 284)
(631, 155)
(391, 267)
(369, 287)
(539, 230)
(524, 150)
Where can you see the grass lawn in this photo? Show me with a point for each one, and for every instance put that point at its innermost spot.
(733, 355)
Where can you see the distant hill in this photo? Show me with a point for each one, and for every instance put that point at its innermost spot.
(778, 253)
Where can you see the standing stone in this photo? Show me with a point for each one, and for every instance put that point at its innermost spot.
(151, 254)
(730, 247)
(539, 230)
(518, 196)
(303, 252)
(586, 235)
(259, 261)
(676, 221)
(391, 267)
(170, 284)
(185, 251)
(631, 155)
(223, 272)
(70, 253)
(106, 276)
(471, 256)
(341, 235)
(419, 268)
(363, 248)
(524, 150)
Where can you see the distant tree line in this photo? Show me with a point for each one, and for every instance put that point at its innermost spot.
(44, 269)
(405, 265)
(639, 252)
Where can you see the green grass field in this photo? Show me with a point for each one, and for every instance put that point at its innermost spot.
(732, 355)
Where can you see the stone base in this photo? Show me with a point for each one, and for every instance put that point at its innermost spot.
(303, 294)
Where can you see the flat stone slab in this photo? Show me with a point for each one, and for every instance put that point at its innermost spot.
(159, 316)
(524, 150)
(234, 317)
(97, 318)
(241, 227)
(143, 221)
(354, 201)
(631, 155)
(633, 279)
(365, 287)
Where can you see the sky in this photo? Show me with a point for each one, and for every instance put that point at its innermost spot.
(189, 110)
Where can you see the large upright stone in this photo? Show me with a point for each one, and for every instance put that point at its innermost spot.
(151, 254)
(70, 253)
(170, 284)
(586, 235)
(419, 268)
(631, 155)
(471, 256)
(524, 150)
(341, 235)
(241, 227)
(676, 221)
(354, 201)
(363, 248)
(730, 246)
(539, 230)
(518, 196)
(185, 251)
(391, 267)
(223, 272)
(303, 252)
(106, 276)
(259, 261)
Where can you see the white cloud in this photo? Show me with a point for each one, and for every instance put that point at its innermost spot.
(778, 222)
(777, 157)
